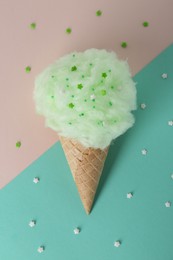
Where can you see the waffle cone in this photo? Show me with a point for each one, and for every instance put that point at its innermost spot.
(86, 165)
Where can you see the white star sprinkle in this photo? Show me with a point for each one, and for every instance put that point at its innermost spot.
(129, 195)
(164, 76)
(92, 97)
(32, 223)
(117, 243)
(40, 249)
(76, 231)
(36, 180)
(172, 176)
(170, 122)
(168, 204)
(143, 106)
(144, 151)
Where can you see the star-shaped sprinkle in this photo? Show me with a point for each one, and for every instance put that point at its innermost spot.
(104, 75)
(124, 44)
(98, 13)
(40, 249)
(170, 122)
(144, 151)
(76, 231)
(79, 86)
(36, 180)
(74, 68)
(168, 204)
(92, 97)
(117, 243)
(18, 144)
(68, 30)
(164, 76)
(27, 69)
(71, 105)
(103, 92)
(143, 106)
(129, 195)
(145, 24)
(33, 26)
(32, 223)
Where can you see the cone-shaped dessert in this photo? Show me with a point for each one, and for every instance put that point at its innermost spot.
(87, 98)
(86, 165)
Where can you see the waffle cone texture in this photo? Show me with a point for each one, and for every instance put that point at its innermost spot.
(86, 166)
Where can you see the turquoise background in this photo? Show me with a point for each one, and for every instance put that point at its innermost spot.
(143, 224)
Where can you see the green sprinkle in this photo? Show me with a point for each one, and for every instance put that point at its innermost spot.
(93, 89)
(67, 86)
(85, 100)
(110, 103)
(52, 96)
(112, 87)
(74, 68)
(124, 44)
(74, 55)
(83, 76)
(68, 30)
(103, 92)
(104, 75)
(72, 96)
(33, 26)
(67, 79)
(79, 86)
(91, 64)
(70, 123)
(53, 76)
(98, 13)
(81, 114)
(71, 105)
(94, 107)
(93, 100)
(28, 69)
(18, 144)
(145, 24)
(109, 70)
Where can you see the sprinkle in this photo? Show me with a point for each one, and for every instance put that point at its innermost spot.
(109, 70)
(143, 106)
(164, 76)
(67, 79)
(52, 96)
(74, 55)
(91, 64)
(28, 69)
(72, 96)
(110, 103)
(33, 26)
(145, 24)
(41, 249)
(83, 76)
(172, 176)
(144, 151)
(117, 243)
(168, 204)
(79, 86)
(81, 114)
(112, 87)
(18, 144)
(36, 180)
(74, 68)
(129, 195)
(70, 123)
(32, 223)
(94, 107)
(170, 122)
(124, 44)
(85, 100)
(103, 92)
(71, 105)
(76, 231)
(98, 13)
(92, 97)
(68, 30)
(53, 76)
(104, 75)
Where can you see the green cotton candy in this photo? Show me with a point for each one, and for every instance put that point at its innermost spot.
(87, 96)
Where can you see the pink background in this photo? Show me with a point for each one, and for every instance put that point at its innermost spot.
(20, 46)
